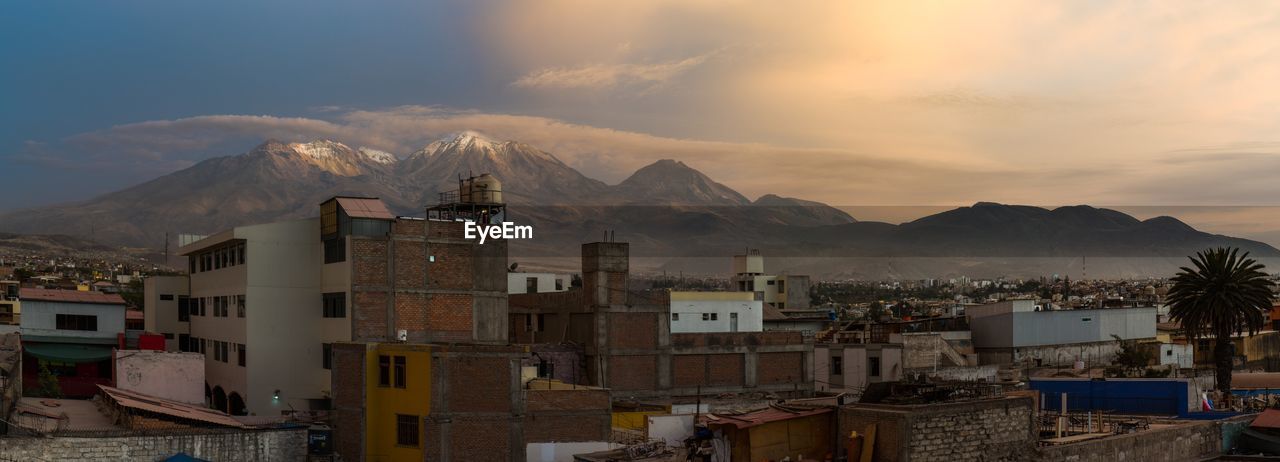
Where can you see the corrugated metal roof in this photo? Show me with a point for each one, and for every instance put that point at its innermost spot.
(69, 296)
(1269, 418)
(763, 416)
(170, 408)
(359, 207)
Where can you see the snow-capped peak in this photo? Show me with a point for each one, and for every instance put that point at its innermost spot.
(381, 157)
(473, 139)
(319, 150)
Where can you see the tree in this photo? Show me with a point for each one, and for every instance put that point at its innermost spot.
(1227, 293)
(47, 384)
(1131, 360)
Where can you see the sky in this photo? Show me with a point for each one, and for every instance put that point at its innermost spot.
(862, 103)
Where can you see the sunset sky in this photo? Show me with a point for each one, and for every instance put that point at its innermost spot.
(850, 103)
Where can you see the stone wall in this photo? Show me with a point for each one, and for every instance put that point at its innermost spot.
(263, 445)
(1189, 441)
(993, 430)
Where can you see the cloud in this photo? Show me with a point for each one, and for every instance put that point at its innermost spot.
(602, 76)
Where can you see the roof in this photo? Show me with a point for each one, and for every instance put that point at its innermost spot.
(134, 314)
(365, 207)
(764, 416)
(169, 408)
(1269, 418)
(69, 296)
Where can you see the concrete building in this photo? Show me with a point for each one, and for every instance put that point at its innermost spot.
(532, 283)
(166, 310)
(629, 346)
(1014, 331)
(70, 333)
(716, 312)
(783, 291)
(851, 367)
(267, 301)
(10, 305)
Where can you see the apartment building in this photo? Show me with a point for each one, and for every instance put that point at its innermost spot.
(783, 291)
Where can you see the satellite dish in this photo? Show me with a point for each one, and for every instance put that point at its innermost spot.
(513, 266)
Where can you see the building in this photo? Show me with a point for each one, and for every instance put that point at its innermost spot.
(783, 291)
(778, 432)
(1017, 331)
(71, 334)
(532, 283)
(268, 301)
(628, 345)
(716, 312)
(166, 310)
(851, 367)
(10, 305)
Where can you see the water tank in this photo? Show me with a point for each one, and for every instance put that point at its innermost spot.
(484, 189)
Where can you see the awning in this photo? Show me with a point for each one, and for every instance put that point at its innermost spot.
(68, 352)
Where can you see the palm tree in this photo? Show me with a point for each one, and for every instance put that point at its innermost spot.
(1227, 293)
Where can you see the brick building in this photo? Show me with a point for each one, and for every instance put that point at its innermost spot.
(628, 346)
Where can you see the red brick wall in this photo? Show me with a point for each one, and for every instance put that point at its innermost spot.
(411, 265)
(453, 268)
(368, 261)
(449, 315)
(707, 370)
(348, 400)
(776, 368)
(633, 372)
(480, 440)
(409, 227)
(633, 330)
(368, 315)
(567, 415)
(478, 383)
(445, 230)
(411, 314)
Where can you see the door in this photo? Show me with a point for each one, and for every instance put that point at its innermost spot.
(733, 322)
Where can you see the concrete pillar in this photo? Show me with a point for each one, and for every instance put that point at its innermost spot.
(750, 361)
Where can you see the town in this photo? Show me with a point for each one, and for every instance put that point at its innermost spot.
(360, 335)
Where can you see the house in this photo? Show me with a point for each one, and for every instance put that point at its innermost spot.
(716, 312)
(71, 334)
(777, 432)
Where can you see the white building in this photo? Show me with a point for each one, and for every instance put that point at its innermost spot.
(50, 315)
(785, 291)
(529, 283)
(716, 312)
(166, 310)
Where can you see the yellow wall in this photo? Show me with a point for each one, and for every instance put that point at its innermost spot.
(384, 403)
(636, 420)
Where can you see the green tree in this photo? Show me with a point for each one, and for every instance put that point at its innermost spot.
(47, 384)
(1226, 293)
(1132, 359)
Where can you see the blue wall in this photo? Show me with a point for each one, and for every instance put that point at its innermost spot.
(1127, 396)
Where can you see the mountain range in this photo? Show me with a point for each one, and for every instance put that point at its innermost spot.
(666, 209)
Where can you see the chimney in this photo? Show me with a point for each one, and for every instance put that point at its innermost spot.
(604, 272)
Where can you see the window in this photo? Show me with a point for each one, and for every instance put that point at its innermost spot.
(873, 364)
(166, 297)
(326, 355)
(240, 354)
(240, 306)
(1086, 319)
(335, 250)
(1168, 352)
(715, 316)
(76, 322)
(220, 352)
(530, 285)
(837, 365)
(168, 336)
(770, 282)
(675, 316)
(384, 371)
(406, 430)
(240, 254)
(184, 308)
(400, 372)
(534, 323)
(706, 316)
(191, 263)
(782, 285)
(335, 305)
(183, 340)
(559, 284)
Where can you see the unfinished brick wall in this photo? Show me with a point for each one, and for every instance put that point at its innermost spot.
(368, 315)
(477, 383)
(567, 415)
(411, 264)
(637, 331)
(992, 429)
(449, 316)
(633, 372)
(778, 368)
(452, 268)
(718, 339)
(690, 370)
(368, 262)
(348, 400)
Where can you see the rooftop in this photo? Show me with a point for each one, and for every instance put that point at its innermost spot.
(69, 296)
(365, 207)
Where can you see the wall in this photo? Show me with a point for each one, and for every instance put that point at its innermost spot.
(1039, 328)
(991, 429)
(517, 283)
(40, 318)
(383, 403)
(161, 316)
(1189, 442)
(854, 364)
(687, 309)
(1135, 396)
(265, 446)
(170, 375)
